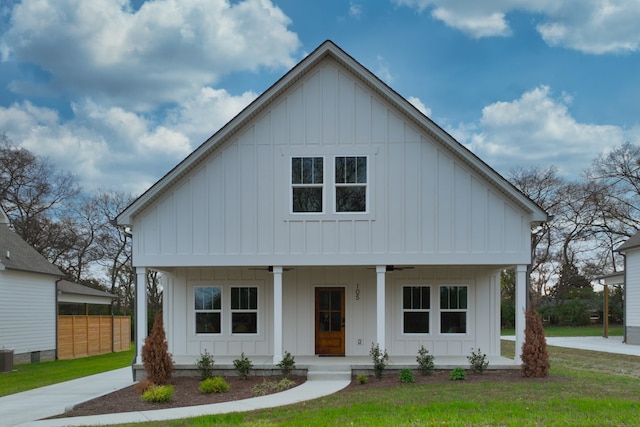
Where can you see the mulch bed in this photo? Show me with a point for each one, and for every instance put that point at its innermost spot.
(186, 391)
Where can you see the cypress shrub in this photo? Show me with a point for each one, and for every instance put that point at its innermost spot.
(535, 358)
(158, 363)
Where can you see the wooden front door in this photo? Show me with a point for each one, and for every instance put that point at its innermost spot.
(329, 315)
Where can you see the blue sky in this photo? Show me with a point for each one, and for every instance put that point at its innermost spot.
(119, 91)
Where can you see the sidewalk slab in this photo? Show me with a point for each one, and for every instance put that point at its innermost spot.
(54, 399)
(607, 345)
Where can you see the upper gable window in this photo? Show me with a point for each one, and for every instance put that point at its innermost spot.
(351, 184)
(307, 179)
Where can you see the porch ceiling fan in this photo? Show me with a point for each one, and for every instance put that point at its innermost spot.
(395, 268)
(269, 268)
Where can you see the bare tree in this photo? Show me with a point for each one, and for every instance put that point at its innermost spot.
(34, 195)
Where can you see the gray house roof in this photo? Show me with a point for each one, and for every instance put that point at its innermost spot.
(16, 254)
(631, 243)
(77, 293)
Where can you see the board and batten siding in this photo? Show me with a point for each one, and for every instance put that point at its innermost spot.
(426, 205)
(632, 296)
(28, 312)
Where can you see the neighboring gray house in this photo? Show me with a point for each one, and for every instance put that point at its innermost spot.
(27, 298)
(328, 215)
(74, 293)
(631, 251)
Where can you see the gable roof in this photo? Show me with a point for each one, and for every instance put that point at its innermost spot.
(631, 243)
(16, 254)
(330, 50)
(75, 292)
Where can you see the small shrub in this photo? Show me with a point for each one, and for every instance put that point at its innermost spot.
(362, 379)
(406, 376)
(266, 387)
(478, 361)
(205, 365)
(157, 361)
(458, 374)
(425, 361)
(214, 385)
(243, 366)
(380, 358)
(260, 389)
(284, 384)
(143, 386)
(287, 364)
(158, 393)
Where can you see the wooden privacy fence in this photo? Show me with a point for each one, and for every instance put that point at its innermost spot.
(82, 336)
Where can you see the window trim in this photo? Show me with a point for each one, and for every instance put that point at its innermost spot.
(220, 311)
(322, 186)
(335, 185)
(414, 310)
(454, 310)
(242, 310)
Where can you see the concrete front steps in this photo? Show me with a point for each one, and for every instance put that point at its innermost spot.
(333, 372)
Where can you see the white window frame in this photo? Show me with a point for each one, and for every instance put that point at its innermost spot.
(213, 310)
(454, 310)
(336, 184)
(232, 310)
(416, 310)
(308, 185)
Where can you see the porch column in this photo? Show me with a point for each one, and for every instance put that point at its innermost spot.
(521, 307)
(141, 311)
(381, 271)
(277, 315)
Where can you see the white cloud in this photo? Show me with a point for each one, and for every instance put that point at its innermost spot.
(590, 26)
(202, 115)
(111, 147)
(538, 129)
(416, 102)
(355, 10)
(162, 52)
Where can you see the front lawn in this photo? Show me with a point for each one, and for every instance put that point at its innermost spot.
(575, 331)
(30, 376)
(585, 388)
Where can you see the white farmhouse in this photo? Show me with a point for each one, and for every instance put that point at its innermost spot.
(631, 251)
(329, 215)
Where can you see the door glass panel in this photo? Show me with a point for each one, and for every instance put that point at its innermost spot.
(335, 300)
(324, 300)
(336, 322)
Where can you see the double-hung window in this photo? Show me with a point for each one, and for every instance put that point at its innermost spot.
(351, 184)
(244, 310)
(307, 180)
(208, 309)
(416, 304)
(453, 309)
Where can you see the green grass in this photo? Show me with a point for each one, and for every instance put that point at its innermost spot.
(30, 376)
(578, 331)
(584, 389)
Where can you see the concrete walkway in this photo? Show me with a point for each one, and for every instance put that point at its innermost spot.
(606, 345)
(23, 409)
